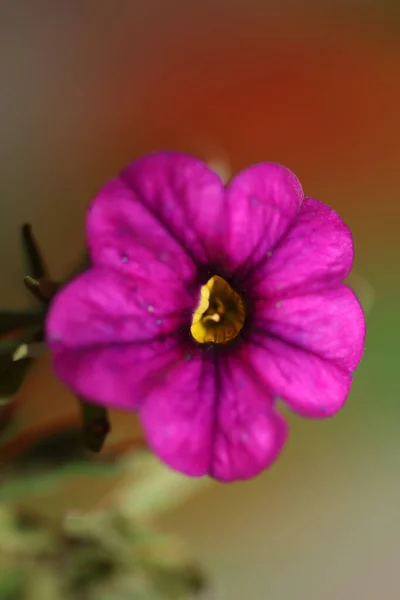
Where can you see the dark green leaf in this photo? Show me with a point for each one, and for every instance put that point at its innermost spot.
(95, 425)
(12, 583)
(36, 266)
(12, 374)
(14, 320)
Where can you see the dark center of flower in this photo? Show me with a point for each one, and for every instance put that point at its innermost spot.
(220, 314)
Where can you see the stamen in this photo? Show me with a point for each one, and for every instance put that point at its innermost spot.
(215, 317)
(220, 314)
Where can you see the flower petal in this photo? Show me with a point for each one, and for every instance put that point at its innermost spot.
(117, 376)
(251, 434)
(184, 198)
(213, 421)
(305, 344)
(178, 418)
(310, 385)
(123, 235)
(102, 307)
(316, 253)
(261, 203)
(330, 324)
(109, 334)
(171, 208)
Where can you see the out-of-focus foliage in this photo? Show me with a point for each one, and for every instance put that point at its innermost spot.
(100, 556)
(149, 489)
(110, 553)
(47, 462)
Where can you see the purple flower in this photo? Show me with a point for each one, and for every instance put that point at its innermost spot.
(204, 305)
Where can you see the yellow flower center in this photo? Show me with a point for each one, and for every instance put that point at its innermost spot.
(220, 314)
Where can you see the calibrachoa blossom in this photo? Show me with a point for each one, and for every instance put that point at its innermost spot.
(204, 305)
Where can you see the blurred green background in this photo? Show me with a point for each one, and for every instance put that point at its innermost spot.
(88, 86)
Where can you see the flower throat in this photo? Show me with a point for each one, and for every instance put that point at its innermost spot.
(220, 314)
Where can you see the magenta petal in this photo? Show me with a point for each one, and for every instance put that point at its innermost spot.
(124, 235)
(184, 198)
(251, 434)
(261, 203)
(229, 431)
(169, 211)
(101, 307)
(316, 253)
(108, 334)
(329, 324)
(178, 418)
(310, 385)
(118, 376)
